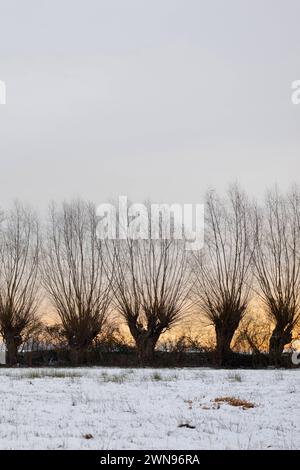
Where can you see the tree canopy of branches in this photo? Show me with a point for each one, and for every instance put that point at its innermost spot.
(19, 259)
(252, 335)
(74, 273)
(277, 264)
(222, 270)
(151, 287)
(149, 282)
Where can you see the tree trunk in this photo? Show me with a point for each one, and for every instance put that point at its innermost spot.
(11, 350)
(76, 356)
(281, 335)
(224, 335)
(145, 347)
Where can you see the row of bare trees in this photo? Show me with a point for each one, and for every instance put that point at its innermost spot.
(250, 250)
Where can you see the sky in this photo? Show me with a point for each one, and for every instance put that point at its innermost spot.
(153, 99)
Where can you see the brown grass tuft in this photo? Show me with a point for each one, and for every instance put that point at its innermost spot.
(235, 402)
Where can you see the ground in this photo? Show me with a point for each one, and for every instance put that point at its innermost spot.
(101, 408)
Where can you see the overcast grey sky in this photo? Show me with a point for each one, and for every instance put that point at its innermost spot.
(149, 98)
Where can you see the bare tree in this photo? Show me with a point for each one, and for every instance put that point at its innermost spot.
(19, 258)
(74, 273)
(151, 287)
(222, 269)
(278, 266)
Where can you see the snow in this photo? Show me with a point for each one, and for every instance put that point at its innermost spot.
(144, 408)
(2, 357)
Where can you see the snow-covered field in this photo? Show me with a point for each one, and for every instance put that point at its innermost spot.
(102, 408)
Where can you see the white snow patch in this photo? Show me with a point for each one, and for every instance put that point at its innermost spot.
(143, 409)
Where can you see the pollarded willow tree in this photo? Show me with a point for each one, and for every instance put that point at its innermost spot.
(19, 261)
(150, 288)
(74, 273)
(277, 263)
(222, 269)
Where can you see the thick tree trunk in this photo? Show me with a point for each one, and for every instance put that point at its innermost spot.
(281, 335)
(145, 348)
(224, 335)
(11, 350)
(76, 356)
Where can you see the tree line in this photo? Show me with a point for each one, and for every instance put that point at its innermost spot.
(250, 250)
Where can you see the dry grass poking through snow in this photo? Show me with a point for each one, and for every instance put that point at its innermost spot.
(235, 402)
(43, 374)
(112, 408)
